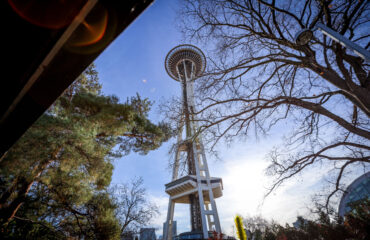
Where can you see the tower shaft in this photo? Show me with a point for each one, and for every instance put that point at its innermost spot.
(188, 107)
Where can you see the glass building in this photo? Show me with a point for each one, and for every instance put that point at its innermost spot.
(358, 190)
(174, 229)
(147, 234)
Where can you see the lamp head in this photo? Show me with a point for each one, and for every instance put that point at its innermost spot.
(304, 36)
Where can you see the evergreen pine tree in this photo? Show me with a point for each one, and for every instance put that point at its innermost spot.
(54, 179)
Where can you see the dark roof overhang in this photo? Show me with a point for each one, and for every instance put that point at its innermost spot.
(41, 61)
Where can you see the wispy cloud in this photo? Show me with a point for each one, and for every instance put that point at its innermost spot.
(245, 184)
(162, 204)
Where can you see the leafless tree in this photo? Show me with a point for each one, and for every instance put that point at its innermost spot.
(258, 77)
(134, 209)
(256, 223)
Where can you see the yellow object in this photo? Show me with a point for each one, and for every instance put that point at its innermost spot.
(239, 228)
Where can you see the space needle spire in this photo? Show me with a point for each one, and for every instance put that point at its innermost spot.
(185, 63)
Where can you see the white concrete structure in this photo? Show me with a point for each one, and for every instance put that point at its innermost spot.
(185, 63)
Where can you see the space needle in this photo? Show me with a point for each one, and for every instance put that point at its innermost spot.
(185, 63)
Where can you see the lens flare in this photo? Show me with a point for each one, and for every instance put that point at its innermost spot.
(97, 30)
(91, 30)
(52, 14)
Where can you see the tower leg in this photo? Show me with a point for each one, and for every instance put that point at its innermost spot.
(215, 215)
(200, 192)
(167, 234)
(210, 224)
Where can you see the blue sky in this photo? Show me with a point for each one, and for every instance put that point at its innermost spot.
(134, 63)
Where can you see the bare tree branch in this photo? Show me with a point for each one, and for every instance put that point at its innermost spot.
(257, 77)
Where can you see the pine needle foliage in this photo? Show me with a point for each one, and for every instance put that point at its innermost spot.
(54, 180)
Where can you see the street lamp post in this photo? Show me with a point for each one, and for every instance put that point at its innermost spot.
(305, 35)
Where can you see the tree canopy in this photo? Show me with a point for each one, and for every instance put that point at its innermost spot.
(55, 178)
